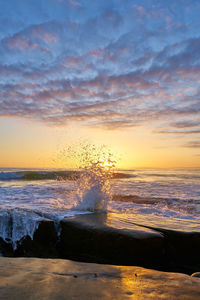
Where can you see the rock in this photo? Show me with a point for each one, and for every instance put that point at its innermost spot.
(26, 233)
(182, 237)
(43, 243)
(52, 279)
(6, 249)
(172, 245)
(89, 238)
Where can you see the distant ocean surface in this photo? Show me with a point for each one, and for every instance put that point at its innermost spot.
(167, 193)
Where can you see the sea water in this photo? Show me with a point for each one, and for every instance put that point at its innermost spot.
(28, 196)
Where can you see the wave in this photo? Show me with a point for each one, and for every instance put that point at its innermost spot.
(136, 199)
(151, 200)
(178, 175)
(119, 175)
(189, 207)
(50, 175)
(39, 175)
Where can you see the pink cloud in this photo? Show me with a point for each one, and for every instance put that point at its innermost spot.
(74, 3)
(97, 52)
(168, 20)
(20, 43)
(141, 10)
(71, 62)
(44, 35)
(123, 51)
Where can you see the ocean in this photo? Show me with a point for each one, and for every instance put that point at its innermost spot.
(32, 194)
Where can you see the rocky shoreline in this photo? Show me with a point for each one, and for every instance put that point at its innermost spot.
(113, 239)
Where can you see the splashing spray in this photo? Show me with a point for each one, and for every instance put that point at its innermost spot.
(93, 185)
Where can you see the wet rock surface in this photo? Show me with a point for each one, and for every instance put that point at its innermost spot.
(181, 239)
(43, 243)
(170, 245)
(6, 249)
(89, 238)
(33, 278)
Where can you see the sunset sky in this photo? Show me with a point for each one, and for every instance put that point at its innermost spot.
(123, 73)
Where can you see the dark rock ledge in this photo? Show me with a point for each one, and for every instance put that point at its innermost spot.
(116, 239)
(89, 238)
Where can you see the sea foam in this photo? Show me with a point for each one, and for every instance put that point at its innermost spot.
(16, 224)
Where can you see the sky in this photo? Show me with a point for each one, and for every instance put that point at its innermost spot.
(123, 73)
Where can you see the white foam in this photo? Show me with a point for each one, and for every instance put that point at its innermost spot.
(15, 224)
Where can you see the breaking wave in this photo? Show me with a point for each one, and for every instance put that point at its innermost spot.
(51, 175)
(38, 175)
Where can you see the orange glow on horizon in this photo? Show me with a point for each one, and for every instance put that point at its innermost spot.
(39, 146)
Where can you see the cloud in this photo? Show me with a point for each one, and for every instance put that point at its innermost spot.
(180, 132)
(192, 144)
(20, 43)
(38, 32)
(74, 3)
(185, 124)
(101, 66)
(141, 10)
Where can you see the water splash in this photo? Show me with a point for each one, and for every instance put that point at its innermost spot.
(96, 168)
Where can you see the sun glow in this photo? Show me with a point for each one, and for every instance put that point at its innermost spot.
(107, 164)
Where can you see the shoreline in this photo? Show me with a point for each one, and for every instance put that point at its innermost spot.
(109, 238)
(34, 278)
